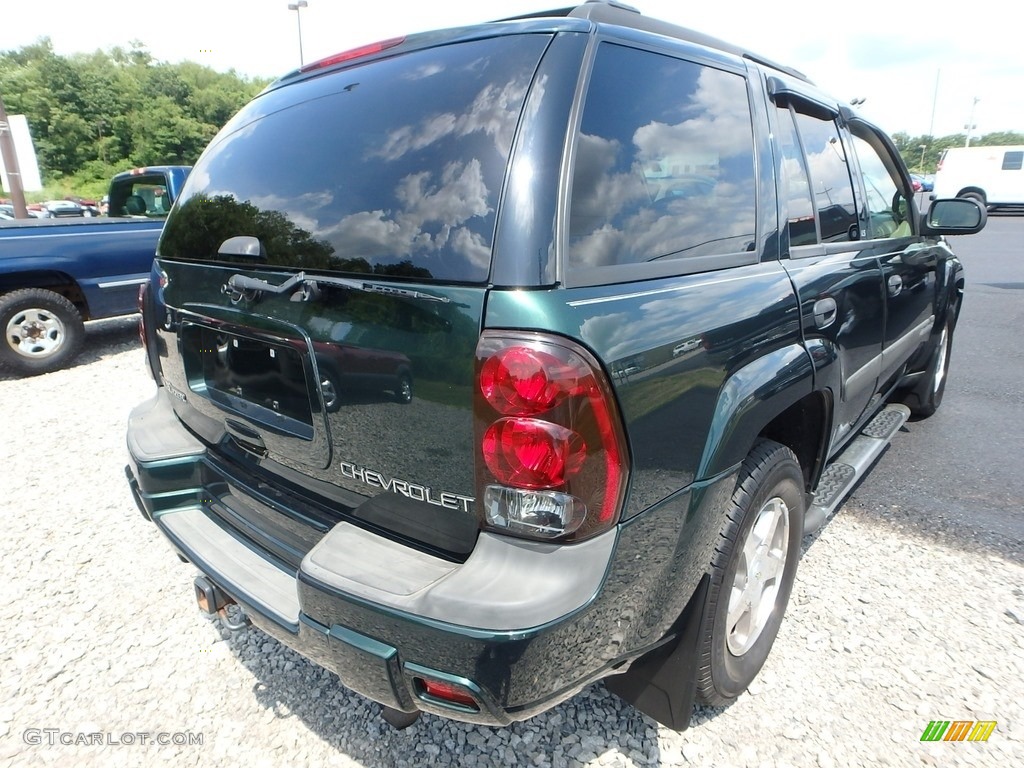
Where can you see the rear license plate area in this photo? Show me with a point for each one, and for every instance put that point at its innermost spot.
(264, 380)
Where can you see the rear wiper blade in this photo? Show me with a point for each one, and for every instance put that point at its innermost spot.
(305, 288)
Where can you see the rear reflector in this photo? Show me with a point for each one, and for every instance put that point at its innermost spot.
(450, 693)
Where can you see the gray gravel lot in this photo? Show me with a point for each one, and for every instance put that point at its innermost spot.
(887, 629)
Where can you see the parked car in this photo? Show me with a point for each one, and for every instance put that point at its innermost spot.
(687, 346)
(529, 212)
(922, 182)
(89, 207)
(7, 212)
(65, 208)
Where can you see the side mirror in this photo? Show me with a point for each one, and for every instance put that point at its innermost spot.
(957, 216)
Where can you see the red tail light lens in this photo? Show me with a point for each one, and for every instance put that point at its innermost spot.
(522, 380)
(528, 453)
(551, 455)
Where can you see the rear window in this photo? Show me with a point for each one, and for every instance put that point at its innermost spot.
(391, 168)
(140, 195)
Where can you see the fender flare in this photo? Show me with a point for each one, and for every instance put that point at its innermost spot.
(749, 400)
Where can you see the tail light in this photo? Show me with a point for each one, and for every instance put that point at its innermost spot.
(141, 305)
(551, 457)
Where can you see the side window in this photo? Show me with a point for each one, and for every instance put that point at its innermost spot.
(1013, 161)
(830, 178)
(886, 205)
(664, 162)
(796, 187)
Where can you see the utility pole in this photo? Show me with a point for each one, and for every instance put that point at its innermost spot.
(970, 123)
(11, 164)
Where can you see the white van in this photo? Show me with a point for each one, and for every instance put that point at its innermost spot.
(993, 176)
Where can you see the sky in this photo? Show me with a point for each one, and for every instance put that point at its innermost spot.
(923, 67)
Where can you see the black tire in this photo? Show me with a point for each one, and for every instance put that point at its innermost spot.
(42, 331)
(403, 392)
(757, 563)
(925, 399)
(976, 197)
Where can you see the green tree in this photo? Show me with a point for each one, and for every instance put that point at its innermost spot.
(94, 114)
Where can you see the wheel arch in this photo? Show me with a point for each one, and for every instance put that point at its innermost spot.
(756, 401)
(965, 191)
(58, 282)
(804, 429)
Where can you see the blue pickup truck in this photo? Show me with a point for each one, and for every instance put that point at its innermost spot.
(57, 273)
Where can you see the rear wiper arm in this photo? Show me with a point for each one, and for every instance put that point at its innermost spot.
(240, 287)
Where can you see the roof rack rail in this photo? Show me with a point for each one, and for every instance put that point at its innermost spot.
(610, 12)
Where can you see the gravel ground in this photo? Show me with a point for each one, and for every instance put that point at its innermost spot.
(886, 631)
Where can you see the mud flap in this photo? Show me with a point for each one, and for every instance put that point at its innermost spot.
(663, 683)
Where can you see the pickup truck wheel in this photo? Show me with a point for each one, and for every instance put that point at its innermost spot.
(925, 399)
(42, 331)
(752, 573)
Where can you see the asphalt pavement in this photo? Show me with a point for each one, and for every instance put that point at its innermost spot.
(959, 476)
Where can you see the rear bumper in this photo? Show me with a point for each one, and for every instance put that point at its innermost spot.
(520, 626)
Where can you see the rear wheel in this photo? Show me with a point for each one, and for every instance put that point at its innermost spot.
(752, 572)
(42, 331)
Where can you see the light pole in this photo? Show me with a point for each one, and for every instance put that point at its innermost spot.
(970, 122)
(298, 20)
(922, 147)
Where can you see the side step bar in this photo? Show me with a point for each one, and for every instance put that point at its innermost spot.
(853, 463)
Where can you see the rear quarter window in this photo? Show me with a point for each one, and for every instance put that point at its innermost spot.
(664, 164)
(393, 168)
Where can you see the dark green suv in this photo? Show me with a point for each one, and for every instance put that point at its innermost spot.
(663, 303)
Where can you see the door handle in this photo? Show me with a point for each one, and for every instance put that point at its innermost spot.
(824, 312)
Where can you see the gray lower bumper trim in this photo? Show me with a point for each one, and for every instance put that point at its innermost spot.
(507, 584)
(241, 571)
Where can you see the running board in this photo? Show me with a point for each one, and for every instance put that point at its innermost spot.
(852, 464)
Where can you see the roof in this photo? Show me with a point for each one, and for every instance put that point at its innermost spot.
(620, 14)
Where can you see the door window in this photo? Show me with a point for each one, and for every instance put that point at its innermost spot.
(886, 204)
(829, 173)
(795, 189)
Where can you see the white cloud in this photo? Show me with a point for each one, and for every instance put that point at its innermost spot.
(977, 53)
(441, 205)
